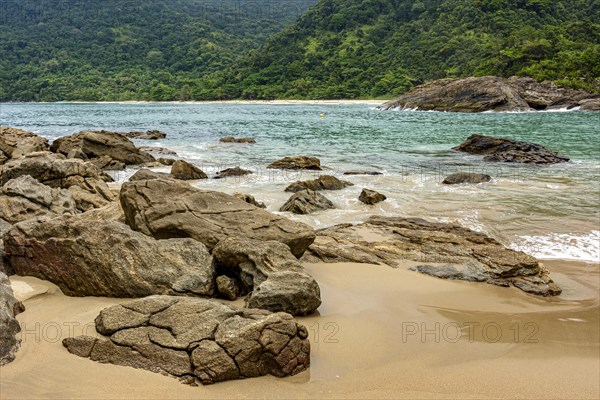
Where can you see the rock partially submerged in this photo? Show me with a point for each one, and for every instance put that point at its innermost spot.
(509, 150)
(9, 326)
(450, 251)
(170, 209)
(157, 150)
(493, 93)
(357, 172)
(148, 135)
(183, 170)
(306, 202)
(268, 270)
(466, 177)
(196, 339)
(371, 197)
(91, 257)
(299, 162)
(15, 143)
(229, 172)
(323, 182)
(231, 139)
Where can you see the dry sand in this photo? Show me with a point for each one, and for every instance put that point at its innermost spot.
(523, 347)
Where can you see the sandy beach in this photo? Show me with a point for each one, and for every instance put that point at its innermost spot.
(380, 333)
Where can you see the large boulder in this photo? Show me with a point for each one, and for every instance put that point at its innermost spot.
(24, 197)
(89, 257)
(271, 273)
(229, 172)
(445, 250)
(15, 143)
(95, 144)
(169, 209)
(466, 177)
(145, 174)
(492, 93)
(298, 162)
(9, 326)
(185, 171)
(324, 182)
(83, 179)
(196, 340)
(509, 150)
(306, 202)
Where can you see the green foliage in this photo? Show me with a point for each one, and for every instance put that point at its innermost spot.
(382, 48)
(205, 50)
(128, 50)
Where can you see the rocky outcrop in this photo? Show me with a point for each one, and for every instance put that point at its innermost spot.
(9, 326)
(231, 139)
(24, 198)
(169, 209)
(306, 202)
(509, 150)
(148, 135)
(83, 179)
(453, 251)
(185, 171)
(299, 162)
(15, 143)
(89, 257)
(493, 93)
(196, 339)
(466, 177)
(324, 182)
(273, 276)
(103, 145)
(146, 174)
(249, 199)
(237, 171)
(371, 197)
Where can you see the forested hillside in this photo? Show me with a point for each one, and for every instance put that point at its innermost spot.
(206, 49)
(128, 49)
(381, 48)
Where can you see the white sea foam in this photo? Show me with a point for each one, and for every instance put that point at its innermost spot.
(565, 246)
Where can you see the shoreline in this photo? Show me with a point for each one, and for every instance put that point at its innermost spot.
(246, 102)
(360, 348)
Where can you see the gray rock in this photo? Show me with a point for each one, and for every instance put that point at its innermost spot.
(273, 275)
(459, 252)
(324, 182)
(15, 143)
(363, 173)
(88, 257)
(299, 162)
(464, 177)
(169, 209)
(148, 135)
(237, 171)
(197, 339)
(228, 287)
(371, 197)
(508, 150)
(146, 174)
(249, 199)
(95, 144)
(231, 139)
(306, 202)
(24, 197)
(9, 326)
(186, 171)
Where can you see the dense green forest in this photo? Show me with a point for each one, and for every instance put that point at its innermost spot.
(128, 49)
(200, 50)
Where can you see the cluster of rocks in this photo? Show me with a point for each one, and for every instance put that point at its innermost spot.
(491, 93)
(231, 139)
(160, 236)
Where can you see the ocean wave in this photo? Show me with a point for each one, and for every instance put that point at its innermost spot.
(564, 246)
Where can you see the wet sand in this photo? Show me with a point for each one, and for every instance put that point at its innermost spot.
(380, 333)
